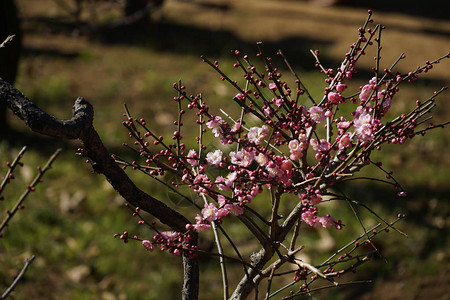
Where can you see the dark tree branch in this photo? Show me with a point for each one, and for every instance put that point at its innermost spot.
(80, 126)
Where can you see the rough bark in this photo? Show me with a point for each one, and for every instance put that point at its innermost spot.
(80, 126)
(9, 55)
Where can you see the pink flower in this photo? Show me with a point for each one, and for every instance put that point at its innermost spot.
(236, 127)
(272, 86)
(240, 96)
(235, 210)
(209, 212)
(192, 158)
(323, 146)
(257, 135)
(341, 87)
(242, 158)
(295, 149)
(286, 165)
(362, 122)
(221, 200)
(326, 221)
(345, 141)
(201, 178)
(214, 158)
(309, 218)
(215, 125)
(317, 114)
(315, 199)
(279, 102)
(147, 245)
(222, 212)
(343, 125)
(261, 159)
(274, 170)
(226, 183)
(268, 112)
(334, 97)
(365, 92)
(169, 235)
(386, 102)
(201, 227)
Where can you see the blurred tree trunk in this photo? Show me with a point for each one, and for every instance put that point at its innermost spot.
(140, 9)
(9, 55)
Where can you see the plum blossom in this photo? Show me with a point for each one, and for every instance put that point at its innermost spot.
(345, 141)
(221, 200)
(209, 212)
(192, 158)
(272, 86)
(242, 158)
(169, 235)
(226, 183)
(326, 221)
(386, 101)
(334, 97)
(215, 125)
(200, 226)
(280, 169)
(240, 96)
(268, 112)
(343, 125)
(148, 245)
(279, 102)
(214, 158)
(317, 114)
(296, 147)
(365, 92)
(235, 210)
(258, 134)
(227, 208)
(363, 124)
(315, 199)
(322, 146)
(201, 178)
(309, 218)
(262, 159)
(341, 87)
(236, 127)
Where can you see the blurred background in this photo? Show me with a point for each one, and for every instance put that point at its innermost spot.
(115, 52)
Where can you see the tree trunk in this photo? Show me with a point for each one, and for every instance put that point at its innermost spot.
(9, 55)
(138, 11)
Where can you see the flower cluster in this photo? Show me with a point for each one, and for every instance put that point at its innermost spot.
(259, 163)
(286, 149)
(297, 148)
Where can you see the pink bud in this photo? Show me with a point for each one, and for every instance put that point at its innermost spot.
(272, 86)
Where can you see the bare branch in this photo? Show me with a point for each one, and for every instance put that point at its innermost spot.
(80, 127)
(16, 281)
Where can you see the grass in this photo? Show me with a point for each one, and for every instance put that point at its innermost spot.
(69, 221)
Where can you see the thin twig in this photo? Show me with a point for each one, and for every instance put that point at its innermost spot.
(8, 39)
(11, 288)
(29, 189)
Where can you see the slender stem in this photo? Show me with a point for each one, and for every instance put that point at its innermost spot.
(29, 189)
(300, 83)
(275, 196)
(269, 284)
(12, 166)
(221, 261)
(11, 288)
